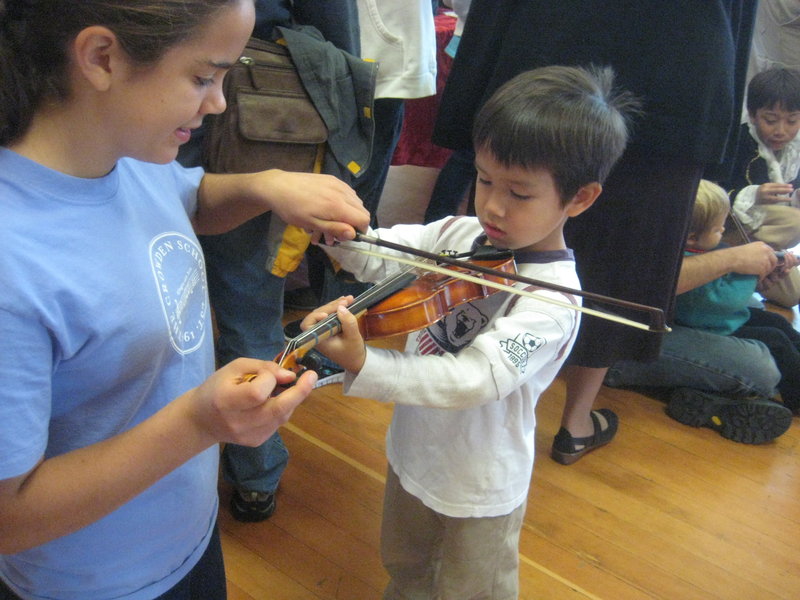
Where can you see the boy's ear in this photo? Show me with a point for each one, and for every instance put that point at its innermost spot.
(584, 199)
(95, 50)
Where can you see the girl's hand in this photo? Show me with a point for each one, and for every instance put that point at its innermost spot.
(346, 348)
(321, 204)
(773, 193)
(236, 404)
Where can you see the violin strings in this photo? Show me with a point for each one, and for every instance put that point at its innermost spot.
(657, 322)
(501, 287)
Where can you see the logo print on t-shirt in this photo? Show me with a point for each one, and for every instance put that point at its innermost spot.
(459, 328)
(518, 350)
(179, 271)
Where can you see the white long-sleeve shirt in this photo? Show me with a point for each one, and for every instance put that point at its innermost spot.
(462, 434)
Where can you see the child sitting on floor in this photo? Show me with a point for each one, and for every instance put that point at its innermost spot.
(461, 441)
(723, 306)
(767, 168)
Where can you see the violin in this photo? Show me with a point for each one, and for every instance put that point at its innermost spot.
(405, 302)
(408, 301)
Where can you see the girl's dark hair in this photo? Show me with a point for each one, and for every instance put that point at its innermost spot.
(568, 120)
(776, 87)
(35, 34)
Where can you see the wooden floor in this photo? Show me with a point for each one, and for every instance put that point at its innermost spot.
(665, 511)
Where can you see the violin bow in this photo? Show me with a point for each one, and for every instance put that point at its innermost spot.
(657, 320)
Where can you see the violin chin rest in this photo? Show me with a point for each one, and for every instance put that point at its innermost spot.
(311, 362)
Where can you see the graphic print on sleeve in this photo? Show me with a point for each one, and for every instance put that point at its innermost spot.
(520, 347)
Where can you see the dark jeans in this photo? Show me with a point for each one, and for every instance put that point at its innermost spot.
(783, 341)
(206, 581)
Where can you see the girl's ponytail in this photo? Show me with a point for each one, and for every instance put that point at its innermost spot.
(20, 78)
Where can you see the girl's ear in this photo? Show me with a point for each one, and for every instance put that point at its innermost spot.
(691, 240)
(584, 199)
(95, 49)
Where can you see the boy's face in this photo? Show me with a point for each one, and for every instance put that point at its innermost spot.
(775, 126)
(711, 237)
(520, 208)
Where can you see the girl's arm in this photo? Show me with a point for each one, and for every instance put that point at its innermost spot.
(317, 203)
(67, 492)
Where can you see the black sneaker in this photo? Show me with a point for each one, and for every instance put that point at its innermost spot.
(252, 507)
(745, 420)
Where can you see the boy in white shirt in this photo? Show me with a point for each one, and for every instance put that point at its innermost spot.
(461, 441)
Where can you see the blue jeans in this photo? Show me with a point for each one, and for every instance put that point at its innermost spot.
(695, 359)
(388, 117)
(248, 305)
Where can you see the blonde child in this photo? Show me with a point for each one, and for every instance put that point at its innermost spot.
(724, 305)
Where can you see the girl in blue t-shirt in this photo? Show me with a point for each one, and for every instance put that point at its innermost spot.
(111, 411)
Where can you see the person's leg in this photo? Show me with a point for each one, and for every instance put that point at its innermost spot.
(691, 358)
(248, 306)
(646, 203)
(255, 474)
(582, 389)
(247, 299)
(411, 536)
(783, 342)
(480, 557)
(722, 382)
(388, 127)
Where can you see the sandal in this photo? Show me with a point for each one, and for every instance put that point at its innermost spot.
(567, 449)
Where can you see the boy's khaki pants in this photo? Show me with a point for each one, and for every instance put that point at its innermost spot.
(430, 556)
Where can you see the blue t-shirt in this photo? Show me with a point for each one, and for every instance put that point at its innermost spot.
(104, 319)
(720, 306)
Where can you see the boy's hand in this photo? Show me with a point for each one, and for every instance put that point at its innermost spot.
(773, 193)
(346, 348)
(235, 404)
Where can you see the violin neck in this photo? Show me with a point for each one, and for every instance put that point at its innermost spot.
(380, 291)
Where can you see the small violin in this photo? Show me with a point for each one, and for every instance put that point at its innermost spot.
(434, 297)
(402, 303)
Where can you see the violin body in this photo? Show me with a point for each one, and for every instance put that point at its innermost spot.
(406, 302)
(400, 304)
(426, 300)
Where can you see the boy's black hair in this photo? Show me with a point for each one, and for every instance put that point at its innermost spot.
(568, 120)
(774, 88)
